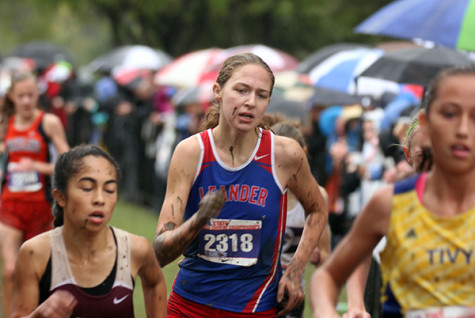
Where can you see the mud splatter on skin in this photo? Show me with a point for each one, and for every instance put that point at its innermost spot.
(162, 252)
(232, 155)
(298, 170)
(235, 108)
(85, 223)
(167, 227)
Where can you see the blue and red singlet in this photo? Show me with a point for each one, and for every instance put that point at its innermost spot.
(234, 263)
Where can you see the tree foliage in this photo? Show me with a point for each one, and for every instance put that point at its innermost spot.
(179, 26)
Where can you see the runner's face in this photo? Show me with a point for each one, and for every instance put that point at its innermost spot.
(451, 124)
(245, 97)
(92, 194)
(24, 95)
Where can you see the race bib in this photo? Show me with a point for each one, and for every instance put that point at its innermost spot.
(23, 181)
(443, 312)
(233, 242)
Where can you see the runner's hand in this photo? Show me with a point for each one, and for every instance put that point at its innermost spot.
(289, 294)
(59, 305)
(211, 204)
(356, 314)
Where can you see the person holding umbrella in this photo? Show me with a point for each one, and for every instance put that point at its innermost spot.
(225, 205)
(25, 199)
(428, 219)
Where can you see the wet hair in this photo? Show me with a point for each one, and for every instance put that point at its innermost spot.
(8, 107)
(68, 165)
(427, 157)
(413, 124)
(231, 65)
(430, 93)
(289, 129)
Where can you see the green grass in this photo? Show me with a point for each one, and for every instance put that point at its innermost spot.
(140, 221)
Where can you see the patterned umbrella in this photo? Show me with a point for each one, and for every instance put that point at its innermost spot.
(190, 69)
(339, 71)
(307, 64)
(449, 23)
(277, 60)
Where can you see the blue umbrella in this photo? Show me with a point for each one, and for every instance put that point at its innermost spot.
(308, 63)
(449, 23)
(339, 71)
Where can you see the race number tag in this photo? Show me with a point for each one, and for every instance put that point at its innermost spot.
(443, 312)
(233, 242)
(23, 181)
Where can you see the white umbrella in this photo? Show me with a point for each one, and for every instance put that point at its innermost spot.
(131, 57)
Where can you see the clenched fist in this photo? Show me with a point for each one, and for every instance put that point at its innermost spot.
(211, 205)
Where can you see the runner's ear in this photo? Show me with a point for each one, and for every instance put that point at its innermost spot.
(59, 197)
(217, 91)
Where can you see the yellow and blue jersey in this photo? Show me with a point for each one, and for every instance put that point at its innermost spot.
(428, 260)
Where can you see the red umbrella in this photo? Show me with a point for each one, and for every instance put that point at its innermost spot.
(277, 60)
(202, 66)
(130, 77)
(190, 69)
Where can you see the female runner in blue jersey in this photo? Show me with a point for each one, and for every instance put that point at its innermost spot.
(225, 205)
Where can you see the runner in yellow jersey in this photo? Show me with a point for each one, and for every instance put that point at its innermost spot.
(428, 263)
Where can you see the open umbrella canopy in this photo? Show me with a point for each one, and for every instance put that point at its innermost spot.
(416, 65)
(201, 94)
(450, 23)
(43, 53)
(307, 64)
(130, 78)
(57, 72)
(190, 69)
(339, 70)
(200, 66)
(280, 104)
(277, 60)
(131, 57)
(328, 97)
(297, 87)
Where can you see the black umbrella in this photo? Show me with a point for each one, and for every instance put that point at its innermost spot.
(43, 53)
(416, 65)
(292, 109)
(307, 64)
(329, 97)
